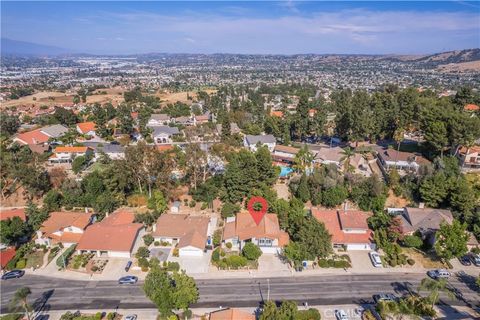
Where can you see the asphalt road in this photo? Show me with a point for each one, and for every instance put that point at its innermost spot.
(60, 294)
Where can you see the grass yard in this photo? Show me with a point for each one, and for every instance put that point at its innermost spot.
(429, 261)
(35, 259)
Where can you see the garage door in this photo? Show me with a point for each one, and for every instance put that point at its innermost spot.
(186, 252)
(359, 246)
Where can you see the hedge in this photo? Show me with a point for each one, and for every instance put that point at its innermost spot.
(65, 256)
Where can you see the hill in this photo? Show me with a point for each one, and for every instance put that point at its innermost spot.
(14, 47)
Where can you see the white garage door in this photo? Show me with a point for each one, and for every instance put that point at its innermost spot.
(359, 246)
(119, 254)
(190, 252)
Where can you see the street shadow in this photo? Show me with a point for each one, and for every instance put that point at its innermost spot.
(42, 317)
(403, 288)
(451, 313)
(468, 280)
(41, 304)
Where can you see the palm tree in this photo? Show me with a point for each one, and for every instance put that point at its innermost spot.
(347, 154)
(303, 159)
(435, 287)
(20, 298)
(398, 137)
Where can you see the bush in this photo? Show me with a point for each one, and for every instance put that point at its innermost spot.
(142, 252)
(148, 239)
(175, 252)
(411, 262)
(21, 264)
(173, 266)
(192, 204)
(62, 260)
(251, 251)
(235, 262)
(137, 200)
(334, 196)
(111, 315)
(204, 206)
(156, 243)
(229, 245)
(412, 241)
(310, 314)
(216, 255)
(217, 238)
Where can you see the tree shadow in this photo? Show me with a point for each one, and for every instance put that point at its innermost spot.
(468, 280)
(451, 313)
(40, 304)
(403, 288)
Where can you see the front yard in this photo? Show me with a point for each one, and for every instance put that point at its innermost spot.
(426, 260)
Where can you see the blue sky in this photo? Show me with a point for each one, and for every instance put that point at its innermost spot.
(287, 27)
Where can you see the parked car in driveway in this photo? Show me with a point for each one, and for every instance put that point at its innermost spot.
(388, 297)
(476, 259)
(375, 258)
(465, 260)
(13, 274)
(341, 314)
(438, 274)
(128, 280)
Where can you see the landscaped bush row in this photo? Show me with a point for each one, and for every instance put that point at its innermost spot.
(62, 260)
(331, 263)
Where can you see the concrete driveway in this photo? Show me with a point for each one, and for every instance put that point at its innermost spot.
(194, 265)
(361, 262)
(160, 253)
(271, 262)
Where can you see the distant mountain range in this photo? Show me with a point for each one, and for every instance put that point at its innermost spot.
(14, 47)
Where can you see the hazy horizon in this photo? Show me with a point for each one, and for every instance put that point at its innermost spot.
(229, 27)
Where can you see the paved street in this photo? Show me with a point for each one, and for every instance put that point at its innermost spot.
(61, 294)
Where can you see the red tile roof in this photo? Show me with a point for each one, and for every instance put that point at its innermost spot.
(32, 137)
(278, 114)
(85, 127)
(8, 214)
(231, 314)
(337, 222)
(471, 107)
(66, 149)
(117, 232)
(6, 255)
(60, 220)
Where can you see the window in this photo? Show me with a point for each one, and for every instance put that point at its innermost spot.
(265, 242)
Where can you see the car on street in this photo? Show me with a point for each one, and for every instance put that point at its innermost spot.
(375, 258)
(438, 274)
(388, 297)
(127, 267)
(13, 274)
(465, 260)
(476, 259)
(131, 317)
(128, 280)
(341, 314)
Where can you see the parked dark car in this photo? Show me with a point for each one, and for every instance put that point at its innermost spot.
(476, 259)
(128, 280)
(465, 260)
(127, 267)
(384, 297)
(13, 274)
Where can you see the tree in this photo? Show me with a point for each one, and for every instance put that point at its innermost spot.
(196, 163)
(288, 310)
(334, 196)
(9, 124)
(434, 189)
(185, 292)
(303, 160)
(313, 238)
(13, 229)
(251, 251)
(412, 241)
(303, 192)
(36, 216)
(347, 155)
(270, 311)
(78, 163)
(435, 287)
(157, 202)
(451, 240)
(65, 117)
(266, 171)
(52, 200)
(20, 298)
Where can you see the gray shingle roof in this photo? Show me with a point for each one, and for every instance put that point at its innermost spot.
(165, 129)
(55, 131)
(252, 140)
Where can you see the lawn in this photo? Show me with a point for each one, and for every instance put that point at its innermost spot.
(427, 260)
(35, 259)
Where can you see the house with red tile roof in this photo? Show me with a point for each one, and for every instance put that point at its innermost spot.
(231, 314)
(66, 154)
(114, 236)
(63, 227)
(10, 213)
(41, 136)
(267, 234)
(188, 233)
(87, 128)
(471, 107)
(6, 255)
(469, 158)
(349, 229)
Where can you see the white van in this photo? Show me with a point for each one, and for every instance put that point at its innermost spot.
(375, 258)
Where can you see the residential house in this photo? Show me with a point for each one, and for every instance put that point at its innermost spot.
(114, 236)
(63, 227)
(349, 229)
(403, 161)
(203, 118)
(164, 134)
(251, 142)
(231, 314)
(424, 220)
(10, 213)
(87, 128)
(158, 119)
(41, 136)
(329, 156)
(189, 233)
(113, 151)
(284, 153)
(267, 234)
(469, 158)
(185, 121)
(360, 165)
(66, 154)
(472, 242)
(6, 255)
(471, 107)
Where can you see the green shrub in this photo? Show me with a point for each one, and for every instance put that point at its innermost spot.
(204, 206)
(12, 316)
(148, 239)
(228, 245)
(98, 316)
(217, 237)
(412, 241)
(173, 266)
(143, 262)
(229, 209)
(154, 262)
(111, 315)
(21, 263)
(310, 314)
(251, 251)
(192, 204)
(236, 262)
(142, 252)
(411, 262)
(156, 243)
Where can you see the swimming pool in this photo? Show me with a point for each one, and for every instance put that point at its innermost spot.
(285, 171)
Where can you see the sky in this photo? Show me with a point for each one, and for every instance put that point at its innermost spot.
(254, 27)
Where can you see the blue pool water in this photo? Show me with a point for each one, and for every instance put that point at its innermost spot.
(285, 171)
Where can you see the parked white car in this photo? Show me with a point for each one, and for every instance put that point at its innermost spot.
(341, 314)
(375, 258)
